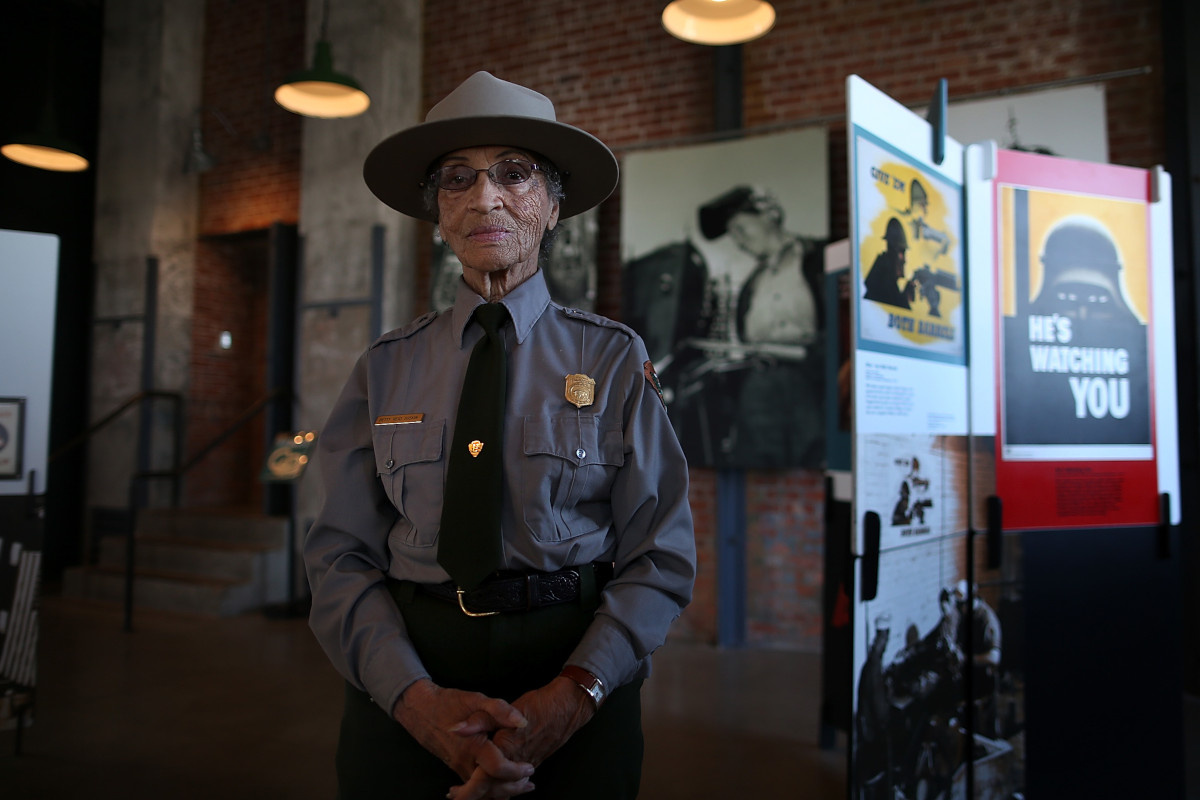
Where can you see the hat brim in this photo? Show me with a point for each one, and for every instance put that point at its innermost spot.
(395, 170)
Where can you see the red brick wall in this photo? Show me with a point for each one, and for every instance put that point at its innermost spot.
(614, 71)
(248, 49)
(903, 47)
(784, 553)
(699, 620)
(229, 295)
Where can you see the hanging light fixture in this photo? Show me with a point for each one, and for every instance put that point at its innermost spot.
(718, 22)
(45, 150)
(198, 160)
(45, 147)
(321, 92)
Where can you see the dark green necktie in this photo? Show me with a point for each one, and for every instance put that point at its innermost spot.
(469, 546)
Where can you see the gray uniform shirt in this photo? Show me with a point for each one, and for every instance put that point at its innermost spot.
(605, 482)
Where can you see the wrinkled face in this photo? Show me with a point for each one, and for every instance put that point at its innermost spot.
(492, 228)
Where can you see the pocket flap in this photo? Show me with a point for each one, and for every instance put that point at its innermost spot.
(397, 446)
(576, 439)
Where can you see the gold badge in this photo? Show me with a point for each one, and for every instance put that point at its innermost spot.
(475, 448)
(581, 390)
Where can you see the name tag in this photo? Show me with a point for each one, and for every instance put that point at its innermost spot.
(399, 419)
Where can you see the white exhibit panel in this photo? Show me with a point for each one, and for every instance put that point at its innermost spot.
(909, 308)
(1162, 287)
(29, 283)
(979, 171)
(1070, 122)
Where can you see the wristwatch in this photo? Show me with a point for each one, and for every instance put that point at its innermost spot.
(589, 682)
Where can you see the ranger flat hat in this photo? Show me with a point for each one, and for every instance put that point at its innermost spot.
(486, 111)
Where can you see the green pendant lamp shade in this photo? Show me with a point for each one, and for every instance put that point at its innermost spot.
(321, 92)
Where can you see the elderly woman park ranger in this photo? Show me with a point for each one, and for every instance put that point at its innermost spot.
(506, 535)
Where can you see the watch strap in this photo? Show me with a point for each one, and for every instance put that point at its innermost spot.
(587, 681)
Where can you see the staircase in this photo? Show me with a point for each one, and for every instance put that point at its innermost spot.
(216, 562)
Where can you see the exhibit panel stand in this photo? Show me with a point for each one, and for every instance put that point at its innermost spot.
(1013, 471)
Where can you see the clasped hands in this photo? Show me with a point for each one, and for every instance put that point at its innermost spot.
(494, 746)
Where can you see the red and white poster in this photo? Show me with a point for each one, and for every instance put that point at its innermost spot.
(1075, 389)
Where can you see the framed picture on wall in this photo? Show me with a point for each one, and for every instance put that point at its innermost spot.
(12, 429)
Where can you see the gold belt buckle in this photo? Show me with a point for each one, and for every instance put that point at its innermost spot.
(473, 613)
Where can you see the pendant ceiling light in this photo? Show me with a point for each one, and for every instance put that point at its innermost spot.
(321, 92)
(45, 147)
(718, 22)
(45, 150)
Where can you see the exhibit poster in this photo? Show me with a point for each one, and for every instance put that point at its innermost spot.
(910, 345)
(933, 656)
(1075, 361)
(907, 253)
(908, 220)
(722, 253)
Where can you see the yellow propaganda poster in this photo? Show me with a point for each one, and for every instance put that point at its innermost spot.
(1075, 304)
(1075, 389)
(909, 256)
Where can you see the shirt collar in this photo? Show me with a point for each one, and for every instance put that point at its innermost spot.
(525, 305)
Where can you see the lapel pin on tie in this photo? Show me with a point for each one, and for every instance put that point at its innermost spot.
(475, 448)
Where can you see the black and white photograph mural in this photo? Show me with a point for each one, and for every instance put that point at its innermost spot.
(722, 255)
(939, 677)
(941, 683)
(570, 269)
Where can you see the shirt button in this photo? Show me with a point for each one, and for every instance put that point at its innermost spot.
(580, 453)
(390, 463)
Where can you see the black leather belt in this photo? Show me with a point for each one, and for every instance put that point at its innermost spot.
(518, 591)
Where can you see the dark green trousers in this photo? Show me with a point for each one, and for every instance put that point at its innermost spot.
(501, 656)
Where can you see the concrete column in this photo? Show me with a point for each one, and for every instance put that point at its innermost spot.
(145, 207)
(378, 43)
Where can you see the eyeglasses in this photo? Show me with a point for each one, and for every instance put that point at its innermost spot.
(456, 177)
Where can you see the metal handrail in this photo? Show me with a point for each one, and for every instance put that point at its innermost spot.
(175, 473)
(95, 427)
(250, 413)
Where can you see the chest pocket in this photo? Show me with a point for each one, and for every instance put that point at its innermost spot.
(411, 467)
(567, 475)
